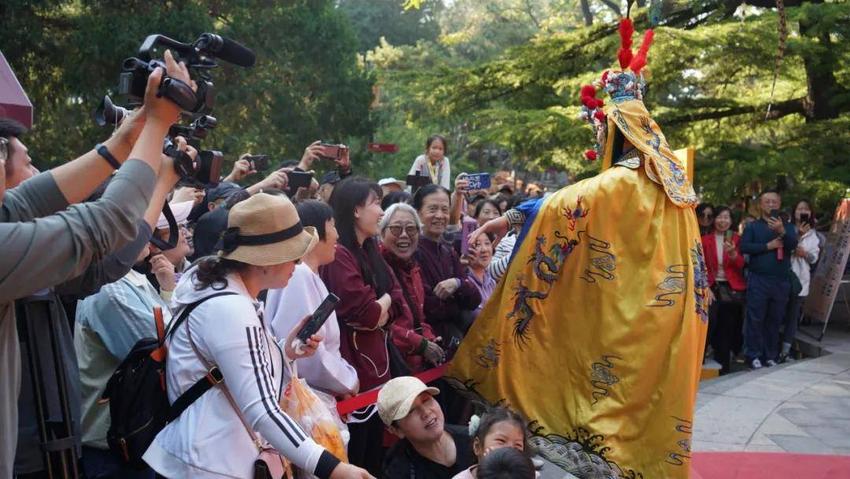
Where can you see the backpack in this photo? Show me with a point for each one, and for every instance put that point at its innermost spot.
(137, 394)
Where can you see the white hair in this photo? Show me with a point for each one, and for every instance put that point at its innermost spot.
(395, 208)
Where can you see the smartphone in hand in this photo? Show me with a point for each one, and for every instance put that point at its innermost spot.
(318, 318)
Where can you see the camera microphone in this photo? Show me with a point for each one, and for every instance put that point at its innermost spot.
(227, 49)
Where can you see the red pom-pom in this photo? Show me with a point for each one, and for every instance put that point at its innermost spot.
(590, 155)
(588, 96)
(625, 53)
(599, 103)
(639, 61)
(599, 115)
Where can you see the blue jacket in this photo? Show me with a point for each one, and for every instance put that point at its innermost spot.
(763, 261)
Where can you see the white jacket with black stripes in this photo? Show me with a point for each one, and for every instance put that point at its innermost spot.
(208, 440)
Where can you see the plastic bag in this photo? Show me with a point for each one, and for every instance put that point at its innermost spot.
(319, 419)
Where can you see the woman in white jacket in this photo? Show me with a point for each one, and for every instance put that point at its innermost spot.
(806, 254)
(326, 370)
(263, 241)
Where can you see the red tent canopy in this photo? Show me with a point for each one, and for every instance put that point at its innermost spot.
(13, 100)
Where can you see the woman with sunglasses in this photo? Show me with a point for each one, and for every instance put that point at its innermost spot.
(400, 228)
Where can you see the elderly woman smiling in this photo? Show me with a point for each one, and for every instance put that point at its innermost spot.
(400, 228)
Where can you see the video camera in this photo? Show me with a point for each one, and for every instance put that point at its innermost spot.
(199, 57)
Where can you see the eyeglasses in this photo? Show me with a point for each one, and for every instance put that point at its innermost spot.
(396, 230)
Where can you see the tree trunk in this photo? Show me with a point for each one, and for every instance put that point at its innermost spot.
(820, 77)
(586, 13)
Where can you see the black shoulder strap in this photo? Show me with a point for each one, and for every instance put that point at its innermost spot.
(204, 384)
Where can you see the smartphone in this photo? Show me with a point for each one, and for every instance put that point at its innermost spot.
(331, 151)
(478, 181)
(469, 225)
(318, 318)
(728, 235)
(805, 218)
(258, 162)
(775, 214)
(299, 179)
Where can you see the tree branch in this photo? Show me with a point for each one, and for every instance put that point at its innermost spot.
(586, 13)
(777, 110)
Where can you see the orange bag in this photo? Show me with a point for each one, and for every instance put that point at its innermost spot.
(319, 420)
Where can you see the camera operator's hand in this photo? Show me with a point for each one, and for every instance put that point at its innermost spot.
(241, 169)
(164, 272)
(311, 154)
(276, 179)
(159, 108)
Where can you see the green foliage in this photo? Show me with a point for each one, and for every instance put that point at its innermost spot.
(376, 19)
(711, 71)
(306, 85)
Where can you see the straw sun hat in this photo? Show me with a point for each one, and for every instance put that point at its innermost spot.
(265, 230)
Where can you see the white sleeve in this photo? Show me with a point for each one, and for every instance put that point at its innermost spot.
(326, 369)
(241, 349)
(446, 177)
(502, 257)
(417, 166)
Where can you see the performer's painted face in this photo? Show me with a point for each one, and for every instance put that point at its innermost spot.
(435, 214)
(425, 421)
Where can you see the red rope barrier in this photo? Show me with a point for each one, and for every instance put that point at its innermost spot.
(371, 397)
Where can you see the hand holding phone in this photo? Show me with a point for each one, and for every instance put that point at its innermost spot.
(314, 323)
(258, 162)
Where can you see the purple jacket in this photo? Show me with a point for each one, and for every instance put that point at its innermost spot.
(438, 261)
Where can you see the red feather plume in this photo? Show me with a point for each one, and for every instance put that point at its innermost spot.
(625, 52)
(639, 61)
(588, 96)
(590, 155)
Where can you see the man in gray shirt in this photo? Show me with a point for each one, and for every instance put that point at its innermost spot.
(45, 246)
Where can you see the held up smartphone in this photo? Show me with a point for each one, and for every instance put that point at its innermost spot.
(775, 214)
(258, 162)
(728, 235)
(299, 179)
(318, 318)
(331, 151)
(805, 218)
(478, 181)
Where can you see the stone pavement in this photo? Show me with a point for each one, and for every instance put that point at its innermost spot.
(802, 407)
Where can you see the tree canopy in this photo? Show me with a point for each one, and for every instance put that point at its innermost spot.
(499, 78)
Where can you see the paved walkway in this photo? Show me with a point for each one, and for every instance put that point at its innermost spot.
(803, 407)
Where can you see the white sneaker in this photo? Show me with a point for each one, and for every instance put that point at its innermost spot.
(755, 364)
(770, 363)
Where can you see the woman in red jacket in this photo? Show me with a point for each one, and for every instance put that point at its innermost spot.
(725, 265)
(371, 300)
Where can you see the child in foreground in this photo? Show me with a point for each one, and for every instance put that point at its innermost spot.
(497, 428)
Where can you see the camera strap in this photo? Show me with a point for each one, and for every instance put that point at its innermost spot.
(173, 231)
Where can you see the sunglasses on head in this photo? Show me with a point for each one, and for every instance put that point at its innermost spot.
(396, 230)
